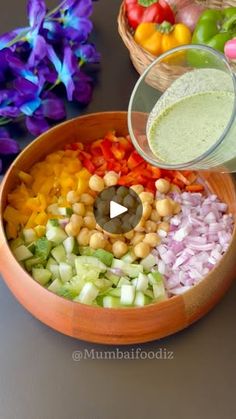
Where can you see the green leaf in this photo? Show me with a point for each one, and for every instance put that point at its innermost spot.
(147, 3)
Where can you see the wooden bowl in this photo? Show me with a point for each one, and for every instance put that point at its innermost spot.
(95, 324)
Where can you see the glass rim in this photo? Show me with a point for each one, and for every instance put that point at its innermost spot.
(214, 146)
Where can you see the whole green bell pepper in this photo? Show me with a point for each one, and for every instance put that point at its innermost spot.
(214, 28)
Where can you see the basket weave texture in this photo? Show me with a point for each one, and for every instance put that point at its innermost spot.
(141, 58)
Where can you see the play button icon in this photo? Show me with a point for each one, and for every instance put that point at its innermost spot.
(118, 209)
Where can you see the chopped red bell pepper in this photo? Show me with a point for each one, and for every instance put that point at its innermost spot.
(106, 149)
(134, 160)
(117, 151)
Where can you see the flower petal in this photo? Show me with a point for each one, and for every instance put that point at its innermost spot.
(26, 87)
(83, 88)
(36, 11)
(6, 38)
(54, 108)
(9, 112)
(78, 29)
(8, 146)
(87, 53)
(54, 58)
(4, 133)
(39, 51)
(29, 108)
(36, 125)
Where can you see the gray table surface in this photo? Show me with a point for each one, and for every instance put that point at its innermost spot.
(39, 378)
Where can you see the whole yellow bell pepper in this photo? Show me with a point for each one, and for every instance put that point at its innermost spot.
(157, 39)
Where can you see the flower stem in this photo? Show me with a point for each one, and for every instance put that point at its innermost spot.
(4, 121)
(60, 6)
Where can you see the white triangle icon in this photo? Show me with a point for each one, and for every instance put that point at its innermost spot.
(116, 209)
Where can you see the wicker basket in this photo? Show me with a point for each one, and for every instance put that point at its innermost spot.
(165, 74)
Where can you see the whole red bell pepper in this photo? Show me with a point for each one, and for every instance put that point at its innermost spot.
(138, 11)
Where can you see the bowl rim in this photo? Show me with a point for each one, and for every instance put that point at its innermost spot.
(4, 242)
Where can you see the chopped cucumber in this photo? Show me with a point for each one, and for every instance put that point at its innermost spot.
(141, 299)
(54, 269)
(102, 284)
(16, 243)
(70, 258)
(59, 253)
(56, 235)
(88, 273)
(88, 294)
(86, 251)
(77, 283)
(115, 292)
(130, 269)
(70, 245)
(91, 262)
(55, 286)
(66, 271)
(110, 302)
(123, 281)
(53, 209)
(51, 262)
(104, 256)
(66, 211)
(155, 277)
(118, 264)
(127, 295)
(29, 235)
(148, 262)
(149, 293)
(31, 247)
(53, 222)
(43, 247)
(21, 253)
(112, 277)
(33, 262)
(41, 275)
(142, 282)
(129, 257)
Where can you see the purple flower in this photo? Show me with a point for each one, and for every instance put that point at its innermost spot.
(7, 145)
(65, 70)
(74, 16)
(83, 88)
(87, 54)
(7, 106)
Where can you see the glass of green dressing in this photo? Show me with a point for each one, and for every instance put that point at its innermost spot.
(182, 112)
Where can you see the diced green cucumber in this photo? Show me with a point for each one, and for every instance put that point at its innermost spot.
(66, 272)
(77, 283)
(149, 293)
(127, 295)
(86, 251)
(129, 257)
(102, 284)
(159, 292)
(66, 211)
(112, 277)
(21, 253)
(70, 258)
(16, 243)
(155, 277)
(141, 299)
(59, 253)
(104, 256)
(33, 262)
(54, 269)
(31, 247)
(123, 281)
(43, 247)
(88, 293)
(110, 302)
(148, 262)
(133, 270)
(51, 262)
(71, 289)
(53, 222)
(142, 282)
(115, 292)
(41, 275)
(56, 235)
(55, 286)
(89, 261)
(118, 264)
(29, 235)
(71, 245)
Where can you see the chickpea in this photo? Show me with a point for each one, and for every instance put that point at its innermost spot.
(177, 208)
(147, 210)
(150, 226)
(119, 249)
(76, 220)
(86, 199)
(117, 237)
(89, 213)
(141, 250)
(72, 230)
(129, 235)
(162, 185)
(138, 237)
(97, 241)
(111, 178)
(79, 208)
(137, 188)
(90, 222)
(98, 227)
(140, 225)
(72, 197)
(164, 207)
(83, 237)
(152, 239)
(96, 183)
(164, 226)
(155, 216)
(108, 247)
(147, 197)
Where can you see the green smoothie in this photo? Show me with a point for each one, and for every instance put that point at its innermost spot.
(186, 129)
